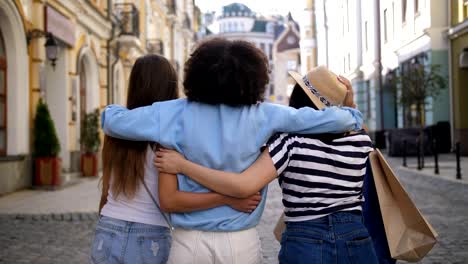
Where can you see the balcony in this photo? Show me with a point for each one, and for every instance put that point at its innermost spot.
(128, 15)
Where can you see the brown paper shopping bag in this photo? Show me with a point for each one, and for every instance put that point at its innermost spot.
(410, 237)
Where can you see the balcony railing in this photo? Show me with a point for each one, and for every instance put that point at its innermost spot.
(128, 15)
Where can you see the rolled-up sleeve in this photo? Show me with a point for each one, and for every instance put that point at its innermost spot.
(139, 124)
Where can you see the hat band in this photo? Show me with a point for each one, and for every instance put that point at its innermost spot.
(315, 92)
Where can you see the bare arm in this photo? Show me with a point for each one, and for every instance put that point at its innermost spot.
(173, 200)
(239, 185)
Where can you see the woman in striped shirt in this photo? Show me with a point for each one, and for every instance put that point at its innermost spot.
(321, 177)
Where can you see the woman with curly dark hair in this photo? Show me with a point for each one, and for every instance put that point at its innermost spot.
(224, 72)
(221, 125)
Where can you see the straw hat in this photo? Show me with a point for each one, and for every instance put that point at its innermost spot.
(321, 86)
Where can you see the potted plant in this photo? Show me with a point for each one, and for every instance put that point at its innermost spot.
(90, 141)
(48, 165)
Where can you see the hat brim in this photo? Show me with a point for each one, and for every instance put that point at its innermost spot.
(298, 78)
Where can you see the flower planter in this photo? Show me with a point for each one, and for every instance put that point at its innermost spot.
(89, 164)
(48, 171)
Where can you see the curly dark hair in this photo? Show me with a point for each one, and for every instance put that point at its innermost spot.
(228, 72)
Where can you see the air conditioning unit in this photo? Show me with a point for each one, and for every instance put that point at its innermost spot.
(464, 59)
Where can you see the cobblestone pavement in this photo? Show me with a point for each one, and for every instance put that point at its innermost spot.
(66, 237)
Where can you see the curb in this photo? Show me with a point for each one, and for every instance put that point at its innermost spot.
(431, 175)
(62, 217)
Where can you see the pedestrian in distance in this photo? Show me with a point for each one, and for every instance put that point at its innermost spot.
(221, 124)
(321, 177)
(132, 228)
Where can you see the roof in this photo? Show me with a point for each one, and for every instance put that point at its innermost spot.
(259, 26)
(291, 20)
(237, 10)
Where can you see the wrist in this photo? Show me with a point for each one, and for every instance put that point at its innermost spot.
(183, 167)
(226, 200)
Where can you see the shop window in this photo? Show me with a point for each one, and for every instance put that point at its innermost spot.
(3, 97)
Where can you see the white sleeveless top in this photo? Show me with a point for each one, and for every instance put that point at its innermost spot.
(140, 208)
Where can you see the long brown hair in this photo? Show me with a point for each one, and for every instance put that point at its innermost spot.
(152, 79)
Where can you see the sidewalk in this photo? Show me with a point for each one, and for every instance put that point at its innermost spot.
(82, 197)
(447, 167)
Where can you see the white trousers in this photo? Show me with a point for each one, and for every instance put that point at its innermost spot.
(202, 247)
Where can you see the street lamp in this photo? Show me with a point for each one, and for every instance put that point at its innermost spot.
(51, 49)
(51, 44)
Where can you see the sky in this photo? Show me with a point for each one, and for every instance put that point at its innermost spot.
(266, 7)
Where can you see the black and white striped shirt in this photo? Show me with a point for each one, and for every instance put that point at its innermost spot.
(320, 174)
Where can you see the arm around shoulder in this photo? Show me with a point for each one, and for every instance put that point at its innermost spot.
(139, 124)
(307, 120)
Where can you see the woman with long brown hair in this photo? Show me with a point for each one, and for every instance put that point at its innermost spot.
(132, 228)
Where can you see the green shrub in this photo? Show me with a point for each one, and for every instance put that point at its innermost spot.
(46, 143)
(90, 139)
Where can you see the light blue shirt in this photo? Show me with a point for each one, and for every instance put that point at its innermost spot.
(220, 137)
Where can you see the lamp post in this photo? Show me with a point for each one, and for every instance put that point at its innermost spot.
(51, 44)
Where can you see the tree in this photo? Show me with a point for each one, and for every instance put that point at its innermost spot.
(90, 132)
(418, 82)
(46, 143)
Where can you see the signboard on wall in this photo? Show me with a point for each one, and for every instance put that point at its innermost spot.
(59, 25)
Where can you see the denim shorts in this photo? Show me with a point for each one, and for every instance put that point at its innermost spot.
(119, 241)
(337, 238)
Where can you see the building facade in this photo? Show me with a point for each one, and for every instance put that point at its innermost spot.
(98, 42)
(286, 57)
(368, 41)
(458, 35)
(308, 42)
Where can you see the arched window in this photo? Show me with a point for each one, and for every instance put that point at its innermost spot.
(3, 97)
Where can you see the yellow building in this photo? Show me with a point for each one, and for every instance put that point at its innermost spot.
(98, 42)
(308, 37)
(458, 34)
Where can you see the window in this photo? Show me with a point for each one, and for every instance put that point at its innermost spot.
(349, 61)
(368, 99)
(270, 51)
(3, 97)
(393, 20)
(366, 37)
(385, 25)
(465, 9)
(292, 65)
(403, 10)
(347, 14)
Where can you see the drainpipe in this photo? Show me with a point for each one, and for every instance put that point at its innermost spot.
(379, 66)
(450, 68)
(326, 31)
(110, 95)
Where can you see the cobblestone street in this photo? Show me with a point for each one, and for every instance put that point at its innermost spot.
(65, 237)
